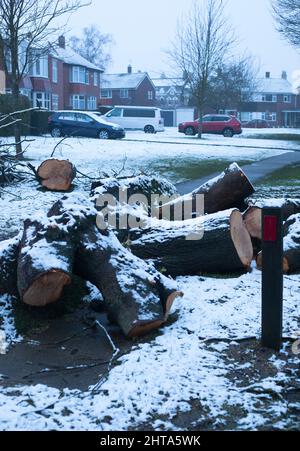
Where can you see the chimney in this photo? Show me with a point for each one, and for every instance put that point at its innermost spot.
(268, 74)
(284, 75)
(62, 42)
(129, 69)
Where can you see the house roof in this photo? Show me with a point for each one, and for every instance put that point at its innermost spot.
(274, 86)
(68, 56)
(168, 82)
(123, 81)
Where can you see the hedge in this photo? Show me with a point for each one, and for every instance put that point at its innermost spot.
(6, 108)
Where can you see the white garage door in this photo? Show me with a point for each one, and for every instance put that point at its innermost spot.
(184, 115)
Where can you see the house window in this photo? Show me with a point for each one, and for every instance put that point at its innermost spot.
(8, 60)
(25, 92)
(150, 95)
(55, 104)
(78, 102)
(287, 99)
(92, 103)
(124, 94)
(87, 77)
(106, 93)
(269, 98)
(39, 65)
(79, 75)
(54, 71)
(42, 100)
(272, 117)
(95, 78)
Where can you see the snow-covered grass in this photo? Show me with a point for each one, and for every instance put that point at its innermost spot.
(250, 138)
(178, 368)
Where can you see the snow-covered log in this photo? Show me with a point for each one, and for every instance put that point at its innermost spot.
(67, 241)
(137, 297)
(123, 188)
(291, 246)
(228, 190)
(48, 247)
(253, 215)
(9, 251)
(217, 243)
(56, 175)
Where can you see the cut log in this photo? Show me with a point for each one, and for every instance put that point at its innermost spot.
(56, 175)
(137, 297)
(48, 249)
(123, 189)
(228, 190)
(9, 251)
(45, 264)
(66, 242)
(253, 215)
(291, 247)
(131, 199)
(218, 243)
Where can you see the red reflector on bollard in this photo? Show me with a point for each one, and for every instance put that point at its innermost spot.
(270, 228)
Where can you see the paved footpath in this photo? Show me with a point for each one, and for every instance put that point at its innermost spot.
(255, 171)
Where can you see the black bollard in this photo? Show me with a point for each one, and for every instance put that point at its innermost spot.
(272, 278)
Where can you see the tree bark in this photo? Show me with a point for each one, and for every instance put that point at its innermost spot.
(291, 247)
(56, 175)
(140, 185)
(228, 190)
(253, 215)
(218, 243)
(137, 297)
(8, 266)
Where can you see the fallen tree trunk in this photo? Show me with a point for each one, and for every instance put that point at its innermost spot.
(253, 215)
(66, 242)
(9, 251)
(56, 175)
(137, 297)
(128, 201)
(228, 190)
(143, 185)
(218, 243)
(291, 247)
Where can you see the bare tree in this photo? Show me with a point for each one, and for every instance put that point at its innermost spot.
(287, 16)
(28, 30)
(232, 84)
(204, 39)
(93, 46)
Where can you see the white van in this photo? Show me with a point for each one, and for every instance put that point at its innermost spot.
(137, 118)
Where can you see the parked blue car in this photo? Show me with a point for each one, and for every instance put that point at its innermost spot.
(82, 123)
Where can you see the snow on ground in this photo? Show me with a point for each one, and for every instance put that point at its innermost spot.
(171, 135)
(160, 378)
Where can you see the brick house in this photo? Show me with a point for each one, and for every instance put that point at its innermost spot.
(132, 89)
(274, 101)
(61, 80)
(171, 92)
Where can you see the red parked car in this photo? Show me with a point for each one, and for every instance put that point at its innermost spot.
(257, 123)
(213, 123)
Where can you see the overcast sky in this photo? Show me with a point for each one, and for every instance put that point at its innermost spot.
(143, 29)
